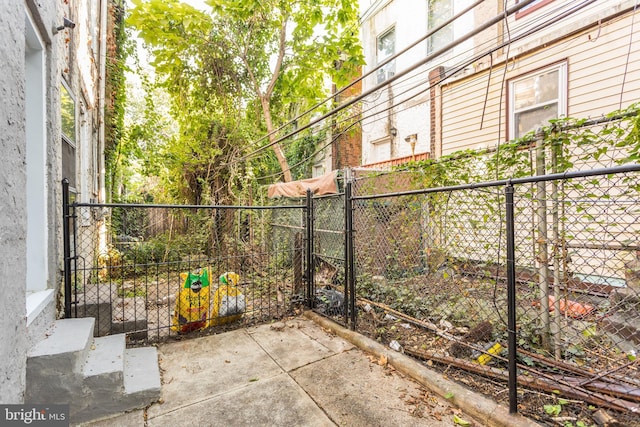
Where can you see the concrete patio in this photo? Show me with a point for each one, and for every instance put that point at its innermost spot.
(301, 372)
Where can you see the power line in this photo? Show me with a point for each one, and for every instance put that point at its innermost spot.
(373, 70)
(462, 65)
(418, 64)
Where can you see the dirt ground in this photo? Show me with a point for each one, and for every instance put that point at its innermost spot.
(546, 408)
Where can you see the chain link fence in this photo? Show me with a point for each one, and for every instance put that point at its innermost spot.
(440, 253)
(431, 267)
(155, 271)
(329, 257)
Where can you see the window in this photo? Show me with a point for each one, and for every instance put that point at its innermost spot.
(68, 113)
(386, 49)
(37, 227)
(381, 150)
(535, 5)
(536, 98)
(439, 12)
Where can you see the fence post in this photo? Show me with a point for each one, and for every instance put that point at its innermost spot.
(309, 250)
(350, 287)
(66, 245)
(542, 239)
(511, 300)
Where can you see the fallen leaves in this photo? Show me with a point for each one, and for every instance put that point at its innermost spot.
(382, 361)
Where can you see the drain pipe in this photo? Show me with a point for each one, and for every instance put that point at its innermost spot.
(102, 195)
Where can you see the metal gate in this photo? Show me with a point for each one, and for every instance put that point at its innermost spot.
(127, 264)
(333, 284)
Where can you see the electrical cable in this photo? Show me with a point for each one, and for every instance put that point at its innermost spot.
(511, 40)
(365, 75)
(500, 219)
(372, 8)
(486, 95)
(626, 64)
(519, 37)
(388, 107)
(425, 60)
(391, 58)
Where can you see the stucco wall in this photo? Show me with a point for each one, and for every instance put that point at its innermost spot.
(12, 204)
(404, 106)
(16, 333)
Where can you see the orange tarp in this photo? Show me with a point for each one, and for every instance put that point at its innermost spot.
(321, 185)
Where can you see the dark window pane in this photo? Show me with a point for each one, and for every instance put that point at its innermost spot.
(69, 162)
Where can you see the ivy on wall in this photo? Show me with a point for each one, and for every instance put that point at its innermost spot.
(115, 94)
(612, 140)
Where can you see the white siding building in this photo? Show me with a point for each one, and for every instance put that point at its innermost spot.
(397, 117)
(564, 58)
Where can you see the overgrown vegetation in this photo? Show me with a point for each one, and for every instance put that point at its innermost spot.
(566, 230)
(118, 49)
(223, 78)
(613, 140)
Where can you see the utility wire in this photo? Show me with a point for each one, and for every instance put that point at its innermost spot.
(372, 8)
(626, 64)
(461, 66)
(420, 63)
(530, 22)
(373, 70)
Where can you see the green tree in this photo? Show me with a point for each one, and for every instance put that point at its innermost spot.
(193, 66)
(246, 61)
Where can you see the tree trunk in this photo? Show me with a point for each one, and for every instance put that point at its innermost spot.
(282, 160)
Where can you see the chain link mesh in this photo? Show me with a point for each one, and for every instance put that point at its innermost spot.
(129, 261)
(329, 257)
(431, 266)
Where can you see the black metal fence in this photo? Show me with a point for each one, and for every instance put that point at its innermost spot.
(520, 265)
(533, 280)
(530, 280)
(132, 266)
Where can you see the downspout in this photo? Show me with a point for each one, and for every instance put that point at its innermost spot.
(102, 232)
(101, 102)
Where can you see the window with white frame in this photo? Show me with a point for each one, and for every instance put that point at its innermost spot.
(381, 150)
(318, 170)
(35, 101)
(439, 12)
(386, 49)
(536, 98)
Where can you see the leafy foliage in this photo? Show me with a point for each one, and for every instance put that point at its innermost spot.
(230, 75)
(119, 48)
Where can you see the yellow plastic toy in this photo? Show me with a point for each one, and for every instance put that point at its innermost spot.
(192, 304)
(228, 302)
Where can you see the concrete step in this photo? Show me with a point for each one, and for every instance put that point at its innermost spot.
(54, 362)
(96, 377)
(137, 370)
(67, 343)
(142, 373)
(104, 367)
